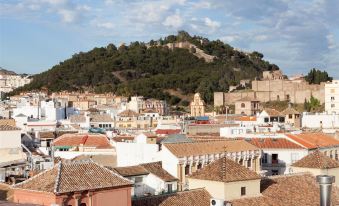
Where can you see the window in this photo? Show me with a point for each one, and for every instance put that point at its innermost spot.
(274, 158)
(243, 191)
(82, 204)
(249, 163)
(169, 188)
(266, 119)
(332, 98)
(290, 116)
(242, 105)
(199, 166)
(264, 158)
(287, 97)
(138, 180)
(187, 170)
(332, 105)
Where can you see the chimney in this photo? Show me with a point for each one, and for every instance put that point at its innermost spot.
(325, 182)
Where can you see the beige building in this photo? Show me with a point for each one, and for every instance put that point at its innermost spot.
(292, 117)
(226, 180)
(197, 106)
(317, 163)
(332, 97)
(274, 89)
(183, 159)
(247, 106)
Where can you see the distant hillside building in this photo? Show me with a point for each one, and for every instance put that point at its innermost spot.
(273, 87)
(197, 106)
(332, 97)
(247, 106)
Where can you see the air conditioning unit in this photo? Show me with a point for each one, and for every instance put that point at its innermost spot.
(217, 202)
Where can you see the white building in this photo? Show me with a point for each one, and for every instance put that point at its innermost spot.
(10, 145)
(278, 154)
(332, 97)
(149, 178)
(129, 154)
(320, 120)
(136, 103)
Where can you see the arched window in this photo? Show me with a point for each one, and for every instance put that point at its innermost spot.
(82, 204)
(278, 98)
(242, 105)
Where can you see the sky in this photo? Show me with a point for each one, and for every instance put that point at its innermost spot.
(297, 35)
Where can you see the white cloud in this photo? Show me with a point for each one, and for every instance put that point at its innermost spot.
(105, 25)
(68, 16)
(211, 24)
(175, 21)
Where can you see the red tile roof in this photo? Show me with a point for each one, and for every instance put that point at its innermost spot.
(316, 160)
(225, 170)
(296, 190)
(196, 197)
(167, 131)
(273, 143)
(246, 118)
(156, 169)
(131, 171)
(74, 177)
(314, 140)
(88, 140)
(208, 147)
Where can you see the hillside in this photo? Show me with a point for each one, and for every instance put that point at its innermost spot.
(152, 69)
(6, 72)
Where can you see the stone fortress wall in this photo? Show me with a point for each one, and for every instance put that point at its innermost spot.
(275, 89)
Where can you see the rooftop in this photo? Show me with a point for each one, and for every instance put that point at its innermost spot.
(156, 169)
(316, 160)
(101, 118)
(296, 190)
(273, 112)
(197, 197)
(77, 118)
(87, 140)
(273, 143)
(290, 110)
(109, 161)
(208, 147)
(314, 140)
(128, 113)
(73, 177)
(131, 171)
(225, 170)
(8, 128)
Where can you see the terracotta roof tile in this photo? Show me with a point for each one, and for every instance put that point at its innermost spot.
(296, 190)
(128, 113)
(314, 140)
(276, 143)
(89, 140)
(246, 118)
(316, 160)
(156, 169)
(290, 110)
(131, 171)
(101, 118)
(77, 118)
(225, 170)
(273, 112)
(208, 147)
(10, 122)
(8, 128)
(197, 197)
(123, 138)
(74, 176)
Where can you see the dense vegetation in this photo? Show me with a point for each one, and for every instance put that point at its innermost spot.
(151, 69)
(316, 76)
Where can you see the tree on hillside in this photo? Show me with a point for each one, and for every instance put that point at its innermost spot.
(313, 105)
(316, 76)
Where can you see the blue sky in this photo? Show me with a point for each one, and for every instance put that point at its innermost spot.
(297, 35)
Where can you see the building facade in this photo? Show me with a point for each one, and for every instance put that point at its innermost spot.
(332, 97)
(197, 106)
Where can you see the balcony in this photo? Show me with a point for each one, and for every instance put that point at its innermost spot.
(274, 163)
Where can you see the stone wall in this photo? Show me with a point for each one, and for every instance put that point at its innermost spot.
(273, 90)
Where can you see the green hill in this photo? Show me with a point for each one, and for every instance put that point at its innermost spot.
(151, 69)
